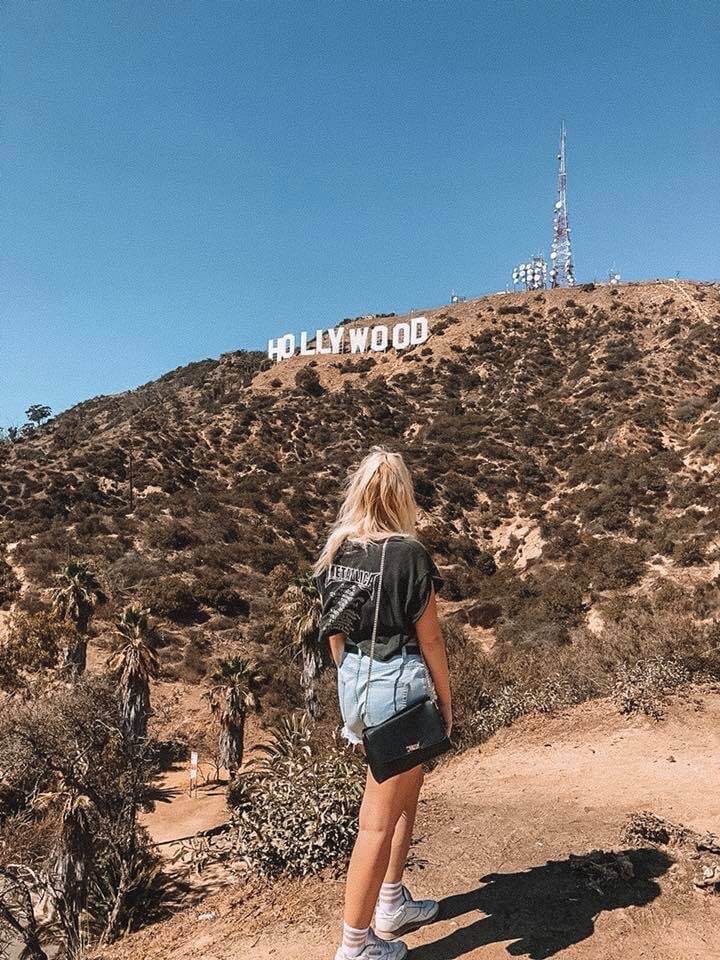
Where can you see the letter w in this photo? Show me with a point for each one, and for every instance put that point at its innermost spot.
(358, 339)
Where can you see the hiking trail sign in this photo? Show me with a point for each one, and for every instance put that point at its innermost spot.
(377, 338)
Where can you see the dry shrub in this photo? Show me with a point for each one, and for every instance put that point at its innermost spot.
(32, 648)
(601, 871)
(9, 583)
(701, 851)
(645, 827)
(169, 597)
(511, 702)
(644, 654)
(644, 686)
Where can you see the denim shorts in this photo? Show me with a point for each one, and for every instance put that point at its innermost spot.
(394, 685)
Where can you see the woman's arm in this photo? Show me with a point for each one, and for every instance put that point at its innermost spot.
(432, 646)
(337, 645)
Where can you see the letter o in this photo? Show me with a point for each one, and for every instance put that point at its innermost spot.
(401, 336)
(420, 331)
(286, 345)
(379, 338)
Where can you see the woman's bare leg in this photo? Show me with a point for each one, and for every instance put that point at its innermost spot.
(402, 837)
(382, 806)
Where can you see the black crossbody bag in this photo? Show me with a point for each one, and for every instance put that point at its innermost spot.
(409, 737)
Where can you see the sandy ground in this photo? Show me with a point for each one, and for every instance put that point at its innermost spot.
(180, 813)
(495, 831)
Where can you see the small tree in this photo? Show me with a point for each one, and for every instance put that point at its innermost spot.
(301, 607)
(308, 380)
(137, 663)
(37, 413)
(232, 695)
(32, 647)
(77, 594)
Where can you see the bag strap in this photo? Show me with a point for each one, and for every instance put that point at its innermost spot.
(375, 624)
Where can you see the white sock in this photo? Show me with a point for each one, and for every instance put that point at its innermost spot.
(391, 897)
(354, 940)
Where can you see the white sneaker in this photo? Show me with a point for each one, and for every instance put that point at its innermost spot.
(376, 949)
(411, 915)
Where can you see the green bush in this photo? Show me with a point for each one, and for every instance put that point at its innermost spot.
(297, 818)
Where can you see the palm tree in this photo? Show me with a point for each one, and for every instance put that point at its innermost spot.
(301, 607)
(17, 910)
(137, 663)
(231, 696)
(69, 868)
(77, 594)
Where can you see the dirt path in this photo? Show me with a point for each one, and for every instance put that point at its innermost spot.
(495, 831)
(19, 571)
(177, 813)
(699, 310)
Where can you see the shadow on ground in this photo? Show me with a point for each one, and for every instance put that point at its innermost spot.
(542, 910)
(160, 794)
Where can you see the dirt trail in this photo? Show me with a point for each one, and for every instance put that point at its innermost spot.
(495, 831)
(19, 572)
(697, 307)
(179, 814)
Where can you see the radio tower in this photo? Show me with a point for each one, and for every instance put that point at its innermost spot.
(562, 269)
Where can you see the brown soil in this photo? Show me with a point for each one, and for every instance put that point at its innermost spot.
(179, 813)
(496, 829)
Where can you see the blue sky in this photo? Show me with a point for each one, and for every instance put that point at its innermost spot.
(181, 179)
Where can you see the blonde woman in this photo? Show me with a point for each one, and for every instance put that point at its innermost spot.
(409, 661)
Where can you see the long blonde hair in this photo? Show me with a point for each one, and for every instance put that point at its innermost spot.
(379, 502)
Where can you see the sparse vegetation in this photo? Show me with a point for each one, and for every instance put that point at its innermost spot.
(563, 454)
(644, 654)
(69, 833)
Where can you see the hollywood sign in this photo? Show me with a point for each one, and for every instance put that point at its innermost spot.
(400, 336)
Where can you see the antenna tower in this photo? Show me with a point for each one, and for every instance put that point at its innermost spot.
(562, 271)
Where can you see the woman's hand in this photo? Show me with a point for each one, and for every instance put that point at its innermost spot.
(446, 713)
(337, 646)
(434, 654)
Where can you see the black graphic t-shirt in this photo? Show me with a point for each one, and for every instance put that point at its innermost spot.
(348, 588)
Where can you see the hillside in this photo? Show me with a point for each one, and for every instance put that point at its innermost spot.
(574, 433)
(572, 438)
(565, 447)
